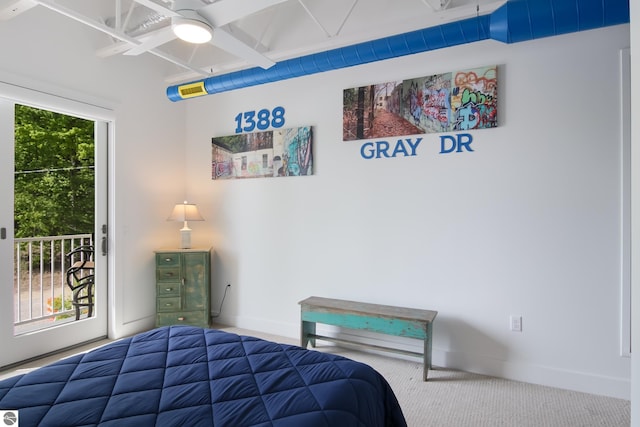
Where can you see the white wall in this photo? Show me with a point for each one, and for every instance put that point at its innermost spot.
(528, 224)
(48, 52)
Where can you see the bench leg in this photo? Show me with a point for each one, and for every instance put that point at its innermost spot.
(306, 329)
(427, 352)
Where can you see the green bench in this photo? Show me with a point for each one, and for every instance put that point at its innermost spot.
(384, 319)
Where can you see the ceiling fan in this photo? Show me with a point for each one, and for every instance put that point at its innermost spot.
(197, 22)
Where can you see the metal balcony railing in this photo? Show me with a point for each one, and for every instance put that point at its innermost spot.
(41, 295)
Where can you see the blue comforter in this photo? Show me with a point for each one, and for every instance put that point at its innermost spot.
(187, 376)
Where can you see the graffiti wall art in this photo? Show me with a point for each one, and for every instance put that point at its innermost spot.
(282, 152)
(455, 101)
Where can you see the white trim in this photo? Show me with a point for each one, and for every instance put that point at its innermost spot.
(625, 229)
(52, 102)
(41, 94)
(585, 382)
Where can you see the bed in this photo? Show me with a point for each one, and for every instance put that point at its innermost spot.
(190, 376)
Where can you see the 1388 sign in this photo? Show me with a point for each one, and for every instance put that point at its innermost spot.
(248, 121)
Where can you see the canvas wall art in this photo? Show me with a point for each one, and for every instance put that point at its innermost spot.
(455, 101)
(281, 152)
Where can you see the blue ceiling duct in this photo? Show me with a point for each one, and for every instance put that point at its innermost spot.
(522, 20)
(515, 21)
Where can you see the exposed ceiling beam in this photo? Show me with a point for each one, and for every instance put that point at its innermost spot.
(344, 21)
(12, 8)
(163, 10)
(314, 19)
(156, 38)
(454, 14)
(113, 33)
(443, 4)
(317, 22)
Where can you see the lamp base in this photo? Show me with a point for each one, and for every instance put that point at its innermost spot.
(185, 237)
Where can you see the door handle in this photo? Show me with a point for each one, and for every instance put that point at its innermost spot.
(104, 244)
(3, 233)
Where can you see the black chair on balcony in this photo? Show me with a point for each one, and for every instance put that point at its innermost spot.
(80, 278)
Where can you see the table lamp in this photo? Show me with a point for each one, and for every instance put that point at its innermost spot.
(185, 212)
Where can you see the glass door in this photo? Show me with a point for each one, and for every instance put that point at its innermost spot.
(53, 219)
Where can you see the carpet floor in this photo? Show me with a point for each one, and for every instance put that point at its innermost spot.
(460, 399)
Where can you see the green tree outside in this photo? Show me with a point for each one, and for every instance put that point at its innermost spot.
(54, 174)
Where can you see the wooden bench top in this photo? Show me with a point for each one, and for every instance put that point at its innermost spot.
(393, 312)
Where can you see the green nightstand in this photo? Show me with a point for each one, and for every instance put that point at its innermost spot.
(183, 281)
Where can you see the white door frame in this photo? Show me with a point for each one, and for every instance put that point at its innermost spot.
(26, 346)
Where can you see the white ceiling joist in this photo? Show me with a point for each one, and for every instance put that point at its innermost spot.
(114, 33)
(11, 9)
(443, 4)
(317, 22)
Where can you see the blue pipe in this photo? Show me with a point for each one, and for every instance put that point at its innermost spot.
(522, 20)
(513, 22)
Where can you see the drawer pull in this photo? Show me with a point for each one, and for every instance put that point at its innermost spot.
(168, 304)
(169, 273)
(168, 259)
(181, 319)
(169, 289)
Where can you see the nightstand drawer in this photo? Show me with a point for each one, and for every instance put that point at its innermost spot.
(168, 273)
(169, 304)
(167, 259)
(168, 290)
(193, 318)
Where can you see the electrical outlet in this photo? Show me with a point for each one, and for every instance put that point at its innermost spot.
(516, 323)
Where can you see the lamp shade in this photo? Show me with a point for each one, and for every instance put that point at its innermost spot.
(185, 212)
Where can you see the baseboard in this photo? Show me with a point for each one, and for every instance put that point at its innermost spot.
(131, 327)
(535, 374)
(283, 329)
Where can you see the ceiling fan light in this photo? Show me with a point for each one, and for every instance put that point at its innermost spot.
(191, 30)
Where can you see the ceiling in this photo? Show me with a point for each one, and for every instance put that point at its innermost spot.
(290, 29)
